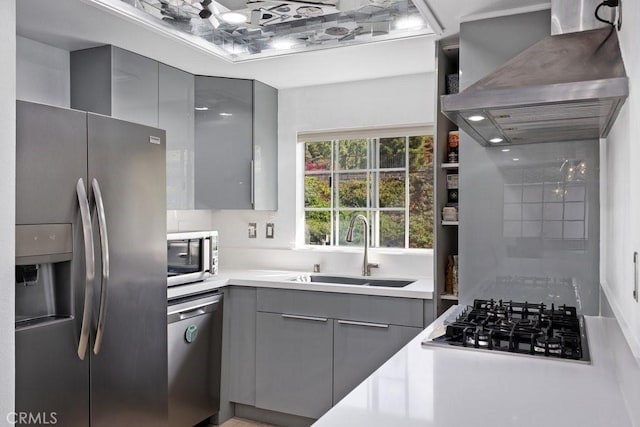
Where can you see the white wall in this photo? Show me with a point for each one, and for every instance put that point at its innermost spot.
(620, 201)
(379, 102)
(42, 73)
(7, 213)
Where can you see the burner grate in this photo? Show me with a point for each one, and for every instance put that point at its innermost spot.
(518, 327)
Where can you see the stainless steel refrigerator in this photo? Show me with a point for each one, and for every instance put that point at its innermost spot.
(91, 296)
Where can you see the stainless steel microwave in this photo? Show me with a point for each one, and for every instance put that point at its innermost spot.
(191, 257)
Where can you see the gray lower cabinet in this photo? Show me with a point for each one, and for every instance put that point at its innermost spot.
(359, 348)
(240, 339)
(294, 361)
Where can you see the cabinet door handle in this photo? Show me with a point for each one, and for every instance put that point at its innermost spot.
(371, 325)
(635, 276)
(253, 188)
(313, 319)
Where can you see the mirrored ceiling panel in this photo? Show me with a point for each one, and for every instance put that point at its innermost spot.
(250, 29)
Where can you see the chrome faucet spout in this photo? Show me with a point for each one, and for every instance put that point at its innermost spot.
(366, 266)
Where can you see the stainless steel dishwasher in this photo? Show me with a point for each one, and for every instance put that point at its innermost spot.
(194, 326)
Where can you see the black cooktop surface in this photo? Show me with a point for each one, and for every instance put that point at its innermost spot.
(519, 328)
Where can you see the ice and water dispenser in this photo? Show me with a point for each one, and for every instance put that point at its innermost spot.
(43, 273)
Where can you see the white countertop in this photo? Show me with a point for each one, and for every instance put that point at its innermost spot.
(452, 387)
(422, 288)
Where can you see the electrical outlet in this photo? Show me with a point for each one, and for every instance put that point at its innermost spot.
(270, 230)
(253, 230)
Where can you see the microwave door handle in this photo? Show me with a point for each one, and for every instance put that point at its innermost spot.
(87, 233)
(211, 254)
(104, 244)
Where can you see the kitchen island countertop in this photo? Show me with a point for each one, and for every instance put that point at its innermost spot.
(422, 288)
(451, 387)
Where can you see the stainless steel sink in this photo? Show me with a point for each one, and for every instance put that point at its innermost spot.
(346, 280)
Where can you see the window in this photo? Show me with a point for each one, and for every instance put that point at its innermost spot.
(388, 179)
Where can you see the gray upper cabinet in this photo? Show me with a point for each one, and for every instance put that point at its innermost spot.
(222, 133)
(235, 144)
(176, 116)
(114, 82)
(118, 83)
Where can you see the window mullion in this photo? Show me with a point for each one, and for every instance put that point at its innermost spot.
(406, 192)
(335, 224)
(376, 196)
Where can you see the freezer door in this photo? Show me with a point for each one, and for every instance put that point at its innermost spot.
(51, 152)
(129, 372)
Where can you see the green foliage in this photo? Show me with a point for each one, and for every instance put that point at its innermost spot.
(318, 227)
(353, 190)
(317, 156)
(391, 190)
(352, 154)
(392, 229)
(317, 191)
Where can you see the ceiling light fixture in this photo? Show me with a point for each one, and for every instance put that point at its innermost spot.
(202, 108)
(477, 118)
(409, 22)
(282, 44)
(496, 140)
(233, 18)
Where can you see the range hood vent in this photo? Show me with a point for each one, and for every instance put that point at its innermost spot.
(566, 87)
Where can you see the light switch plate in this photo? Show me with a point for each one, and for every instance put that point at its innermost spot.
(253, 230)
(270, 230)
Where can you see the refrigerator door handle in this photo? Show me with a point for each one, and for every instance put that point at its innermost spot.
(104, 244)
(87, 233)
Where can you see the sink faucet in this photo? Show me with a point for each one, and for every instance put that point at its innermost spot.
(366, 265)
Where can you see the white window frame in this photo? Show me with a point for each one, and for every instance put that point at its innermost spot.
(373, 134)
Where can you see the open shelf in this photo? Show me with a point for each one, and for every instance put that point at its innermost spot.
(446, 232)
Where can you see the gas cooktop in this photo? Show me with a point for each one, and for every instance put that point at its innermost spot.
(519, 328)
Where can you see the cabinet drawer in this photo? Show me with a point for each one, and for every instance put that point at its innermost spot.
(364, 308)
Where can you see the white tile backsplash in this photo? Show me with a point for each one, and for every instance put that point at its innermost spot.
(399, 264)
(188, 220)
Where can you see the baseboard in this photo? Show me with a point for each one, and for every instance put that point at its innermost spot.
(271, 417)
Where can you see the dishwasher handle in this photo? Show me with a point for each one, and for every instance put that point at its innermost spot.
(195, 308)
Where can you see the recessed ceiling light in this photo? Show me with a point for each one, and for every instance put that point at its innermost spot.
(477, 118)
(496, 140)
(233, 17)
(409, 22)
(202, 108)
(515, 159)
(282, 44)
(506, 150)
(225, 114)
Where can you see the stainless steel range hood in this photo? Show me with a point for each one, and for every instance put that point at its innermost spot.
(566, 87)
